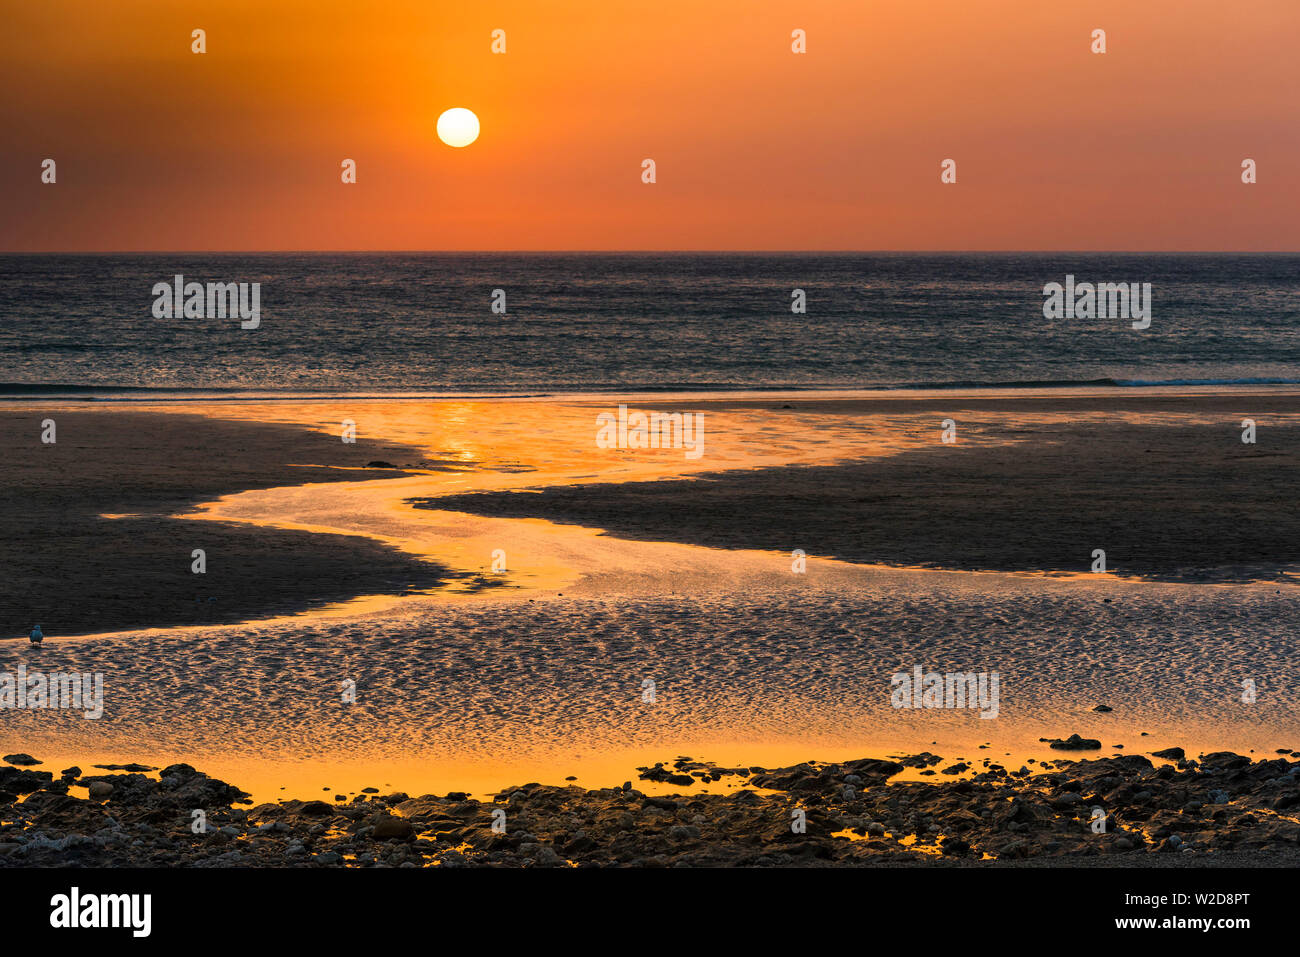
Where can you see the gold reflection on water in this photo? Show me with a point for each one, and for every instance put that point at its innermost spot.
(490, 445)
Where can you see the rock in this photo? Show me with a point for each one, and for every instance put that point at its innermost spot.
(136, 768)
(72, 772)
(954, 846)
(329, 857)
(380, 464)
(22, 760)
(1103, 709)
(873, 768)
(547, 857)
(1171, 754)
(1225, 760)
(388, 828)
(99, 790)
(1015, 850)
(316, 809)
(1073, 743)
(579, 843)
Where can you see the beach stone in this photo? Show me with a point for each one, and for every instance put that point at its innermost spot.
(1171, 754)
(388, 828)
(1015, 850)
(133, 768)
(21, 759)
(99, 790)
(1225, 760)
(954, 846)
(546, 856)
(580, 842)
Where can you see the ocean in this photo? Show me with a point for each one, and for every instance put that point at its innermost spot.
(573, 322)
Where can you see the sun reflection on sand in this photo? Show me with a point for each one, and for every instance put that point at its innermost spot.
(490, 445)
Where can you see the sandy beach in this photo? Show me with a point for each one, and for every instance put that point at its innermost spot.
(623, 566)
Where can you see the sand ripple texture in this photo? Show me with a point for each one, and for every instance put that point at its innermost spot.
(807, 665)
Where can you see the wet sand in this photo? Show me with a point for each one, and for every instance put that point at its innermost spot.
(541, 677)
(1184, 501)
(90, 543)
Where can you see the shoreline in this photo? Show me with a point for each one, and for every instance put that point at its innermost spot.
(96, 529)
(550, 653)
(1120, 811)
(110, 395)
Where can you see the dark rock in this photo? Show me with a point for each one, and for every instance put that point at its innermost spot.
(1224, 760)
(388, 827)
(134, 768)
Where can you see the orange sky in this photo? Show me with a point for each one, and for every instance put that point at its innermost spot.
(757, 147)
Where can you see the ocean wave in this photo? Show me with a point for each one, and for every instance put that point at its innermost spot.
(126, 393)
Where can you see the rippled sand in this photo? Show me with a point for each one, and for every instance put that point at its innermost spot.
(543, 677)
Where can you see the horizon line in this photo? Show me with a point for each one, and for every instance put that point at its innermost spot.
(654, 252)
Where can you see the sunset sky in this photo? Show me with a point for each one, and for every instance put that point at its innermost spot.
(756, 147)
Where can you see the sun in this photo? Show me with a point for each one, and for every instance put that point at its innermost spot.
(458, 127)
